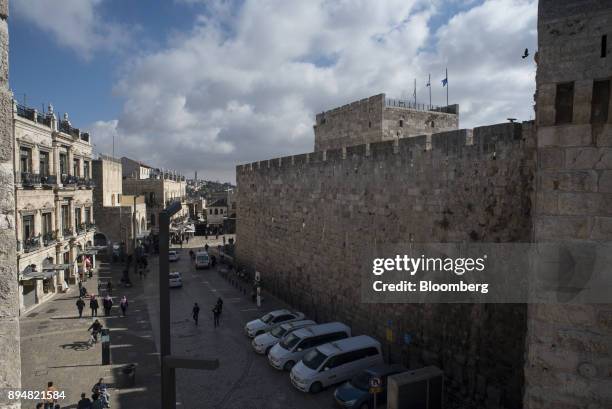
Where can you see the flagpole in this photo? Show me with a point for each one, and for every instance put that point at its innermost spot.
(446, 86)
(415, 103)
(429, 85)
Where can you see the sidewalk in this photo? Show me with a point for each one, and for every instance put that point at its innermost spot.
(54, 346)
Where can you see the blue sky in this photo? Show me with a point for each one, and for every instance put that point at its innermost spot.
(205, 85)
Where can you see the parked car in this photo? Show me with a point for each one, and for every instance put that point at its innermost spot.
(335, 362)
(176, 280)
(355, 394)
(202, 260)
(295, 345)
(173, 255)
(262, 343)
(263, 324)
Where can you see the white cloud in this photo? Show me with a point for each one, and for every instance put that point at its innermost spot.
(244, 84)
(75, 24)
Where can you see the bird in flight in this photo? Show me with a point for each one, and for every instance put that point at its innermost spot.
(525, 54)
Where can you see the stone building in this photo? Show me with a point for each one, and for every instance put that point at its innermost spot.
(10, 370)
(569, 361)
(121, 218)
(304, 221)
(53, 191)
(379, 118)
(135, 169)
(161, 188)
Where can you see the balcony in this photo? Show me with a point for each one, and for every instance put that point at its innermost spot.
(69, 180)
(90, 226)
(29, 179)
(48, 180)
(81, 229)
(68, 232)
(32, 244)
(49, 238)
(86, 182)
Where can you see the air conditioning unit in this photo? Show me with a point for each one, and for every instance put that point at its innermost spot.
(416, 389)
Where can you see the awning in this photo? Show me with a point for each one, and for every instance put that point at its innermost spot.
(37, 275)
(49, 267)
(88, 252)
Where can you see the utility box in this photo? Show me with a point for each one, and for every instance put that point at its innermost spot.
(416, 389)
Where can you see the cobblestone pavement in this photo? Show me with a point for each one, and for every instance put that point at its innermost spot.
(244, 380)
(54, 347)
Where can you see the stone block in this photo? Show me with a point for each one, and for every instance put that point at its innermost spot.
(4, 53)
(604, 136)
(585, 204)
(588, 158)
(562, 227)
(551, 158)
(4, 9)
(602, 228)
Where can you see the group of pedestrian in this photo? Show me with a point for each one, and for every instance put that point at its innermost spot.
(100, 398)
(50, 402)
(216, 310)
(107, 304)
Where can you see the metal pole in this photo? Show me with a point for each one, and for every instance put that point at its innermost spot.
(134, 221)
(429, 85)
(167, 379)
(447, 87)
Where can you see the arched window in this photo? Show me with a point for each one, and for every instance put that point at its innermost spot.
(401, 123)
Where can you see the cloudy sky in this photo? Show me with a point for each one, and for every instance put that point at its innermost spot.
(207, 84)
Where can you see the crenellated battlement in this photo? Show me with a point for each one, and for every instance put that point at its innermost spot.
(482, 142)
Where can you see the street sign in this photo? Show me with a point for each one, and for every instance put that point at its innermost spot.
(375, 382)
(389, 335)
(376, 390)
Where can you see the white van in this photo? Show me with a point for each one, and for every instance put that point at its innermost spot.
(335, 362)
(294, 346)
(202, 260)
(264, 342)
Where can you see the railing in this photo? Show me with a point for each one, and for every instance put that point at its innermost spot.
(30, 179)
(49, 238)
(65, 127)
(49, 180)
(85, 136)
(69, 180)
(25, 112)
(68, 232)
(403, 103)
(31, 244)
(43, 119)
(90, 226)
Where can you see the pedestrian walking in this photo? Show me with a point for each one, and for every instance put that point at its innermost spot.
(97, 402)
(84, 403)
(107, 303)
(50, 401)
(109, 288)
(98, 386)
(80, 305)
(216, 314)
(196, 312)
(95, 328)
(124, 305)
(93, 304)
(83, 291)
(220, 305)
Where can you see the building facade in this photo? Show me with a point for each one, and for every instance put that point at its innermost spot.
(379, 118)
(54, 204)
(121, 218)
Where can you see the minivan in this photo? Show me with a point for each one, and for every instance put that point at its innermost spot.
(335, 362)
(202, 260)
(294, 346)
(264, 342)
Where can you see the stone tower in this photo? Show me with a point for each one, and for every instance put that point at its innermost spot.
(569, 362)
(10, 369)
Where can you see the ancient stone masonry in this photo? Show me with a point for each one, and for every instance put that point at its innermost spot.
(304, 220)
(378, 118)
(10, 369)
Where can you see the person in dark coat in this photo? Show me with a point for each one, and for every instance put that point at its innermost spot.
(216, 315)
(196, 312)
(80, 305)
(93, 304)
(84, 403)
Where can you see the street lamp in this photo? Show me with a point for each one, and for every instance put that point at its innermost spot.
(169, 363)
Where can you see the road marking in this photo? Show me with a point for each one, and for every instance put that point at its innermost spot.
(251, 309)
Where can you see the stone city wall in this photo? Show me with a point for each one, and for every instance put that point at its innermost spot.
(10, 370)
(304, 221)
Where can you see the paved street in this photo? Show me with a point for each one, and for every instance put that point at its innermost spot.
(244, 379)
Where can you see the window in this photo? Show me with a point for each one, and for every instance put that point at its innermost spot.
(25, 159)
(369, 124)
(433, 124)
(43, 163)
(65, 217)
(77, 217)
(604, 46)
(600, 101)
(86, 169)
(88, 215)
(63, 162)
(46, 224)
(216, 211)
(401, 123)
(28, 227)
(152, 220)
(76, 167)
(564, 103)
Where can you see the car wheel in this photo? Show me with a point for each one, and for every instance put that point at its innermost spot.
(364, 406)
(316, 387)
(288, 365)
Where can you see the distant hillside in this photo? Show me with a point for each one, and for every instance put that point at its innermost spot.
(206, 188)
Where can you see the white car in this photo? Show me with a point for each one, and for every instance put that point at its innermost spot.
(264, 342)
(268, 321)
(173, 255)
(175, 280)
(335, 362)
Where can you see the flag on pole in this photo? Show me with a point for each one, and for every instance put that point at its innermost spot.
(428, 81)
(445, 82)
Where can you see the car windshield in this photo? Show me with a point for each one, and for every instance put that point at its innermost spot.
(361, 381)
(267, 318)
(278, 332)
(290, 341)
(314, 359)
(174, 275)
